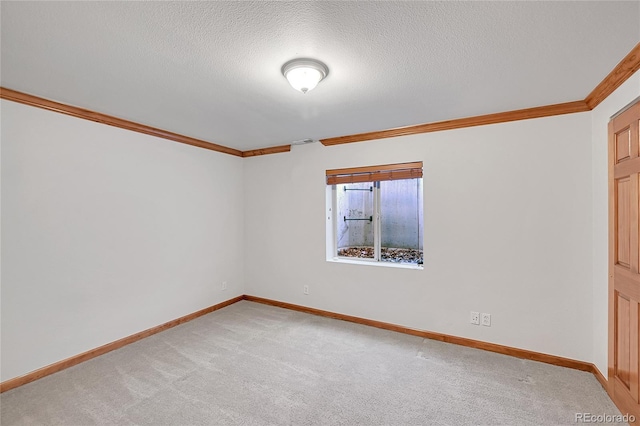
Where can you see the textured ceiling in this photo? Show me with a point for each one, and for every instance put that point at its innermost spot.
(211, 70)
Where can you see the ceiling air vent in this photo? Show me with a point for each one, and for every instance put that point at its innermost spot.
(303, 142)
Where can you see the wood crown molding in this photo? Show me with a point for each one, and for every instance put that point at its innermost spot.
(625, 69)
(492, 347)
(480, 120)
(621, 73)
(35, 101)
(85, 356)
(265, 151)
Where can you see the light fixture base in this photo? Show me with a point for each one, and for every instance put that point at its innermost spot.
(304, 73)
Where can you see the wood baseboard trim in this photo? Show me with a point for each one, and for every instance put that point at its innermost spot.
(604, 382)
(35, 101)
(491, 347)
(85, 356)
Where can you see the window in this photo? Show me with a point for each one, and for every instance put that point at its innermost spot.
(375, 214)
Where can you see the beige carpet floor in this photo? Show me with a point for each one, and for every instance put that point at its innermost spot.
(251, 364)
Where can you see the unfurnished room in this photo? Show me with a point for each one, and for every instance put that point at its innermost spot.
(319, 213)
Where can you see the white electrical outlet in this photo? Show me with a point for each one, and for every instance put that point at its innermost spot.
(475, 318)
(486, 320)
(224, 285)
(305, 289)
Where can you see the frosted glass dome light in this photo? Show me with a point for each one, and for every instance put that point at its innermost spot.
(304, 74)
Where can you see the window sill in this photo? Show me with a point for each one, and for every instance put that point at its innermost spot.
(374, 263)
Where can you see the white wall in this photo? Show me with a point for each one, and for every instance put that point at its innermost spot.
(599, 119)
(507, 230)
(106, 232)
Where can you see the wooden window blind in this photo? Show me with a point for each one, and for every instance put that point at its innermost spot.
(375, 173)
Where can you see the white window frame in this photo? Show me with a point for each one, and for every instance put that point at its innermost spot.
(332, 233)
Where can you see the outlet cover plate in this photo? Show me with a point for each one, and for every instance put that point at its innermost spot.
(486, 320)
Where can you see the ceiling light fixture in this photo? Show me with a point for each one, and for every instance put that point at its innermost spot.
(304, 74)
